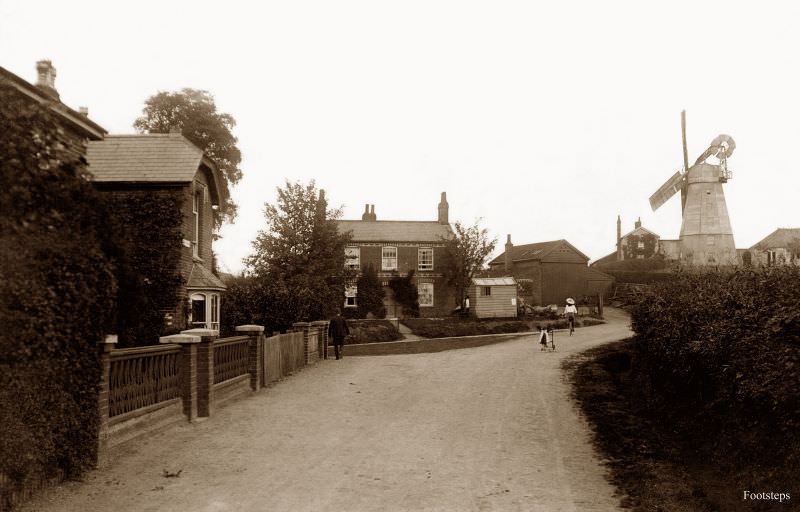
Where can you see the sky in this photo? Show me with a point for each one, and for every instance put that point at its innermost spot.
(543, 120)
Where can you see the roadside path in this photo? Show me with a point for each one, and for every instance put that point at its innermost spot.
(483, 429)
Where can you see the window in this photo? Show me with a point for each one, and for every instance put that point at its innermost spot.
(215, 311)
(389, 258)
(486, 291)
(711, 241)
(350, 293)
(198, 314)
(197, 213)
(640, 245)
(425, 256)
(352, 257)
(425, 291)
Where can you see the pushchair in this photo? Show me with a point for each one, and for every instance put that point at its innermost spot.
(547, 339)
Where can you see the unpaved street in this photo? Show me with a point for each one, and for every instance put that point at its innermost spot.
(488, 428)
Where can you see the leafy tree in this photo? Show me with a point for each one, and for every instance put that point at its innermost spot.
(406, 293)
(466, 253)
(195, 114)
(370, 293)
(298, 261)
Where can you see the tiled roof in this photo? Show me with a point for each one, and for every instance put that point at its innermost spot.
(639, 231)
(200, 278)
(527, 251)
(493, 281)
(595, 275)
(395, 230)
(158, 157)
(781, 237)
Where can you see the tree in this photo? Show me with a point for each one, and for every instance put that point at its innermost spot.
(298, 261)
(406, 293)
(466, 253)
(195, 114)
(370, 293)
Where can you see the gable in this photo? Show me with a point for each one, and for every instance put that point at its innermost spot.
(564, 252)
(640, 231)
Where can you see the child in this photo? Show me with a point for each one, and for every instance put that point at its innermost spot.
(543, 337)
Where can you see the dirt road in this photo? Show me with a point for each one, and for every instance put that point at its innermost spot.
(488, 428)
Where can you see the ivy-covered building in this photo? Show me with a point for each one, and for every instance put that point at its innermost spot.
(395, 247)
(166, 190)
(638, 244)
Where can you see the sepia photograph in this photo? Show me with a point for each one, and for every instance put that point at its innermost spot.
(361, 255)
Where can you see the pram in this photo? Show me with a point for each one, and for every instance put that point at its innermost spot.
(547, 339)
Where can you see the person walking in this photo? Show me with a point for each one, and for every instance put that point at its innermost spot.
(570, 311)
(338, 330)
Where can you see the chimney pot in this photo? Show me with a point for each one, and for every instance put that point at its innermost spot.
(46, 78)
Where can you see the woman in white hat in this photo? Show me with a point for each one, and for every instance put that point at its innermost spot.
(570, 311)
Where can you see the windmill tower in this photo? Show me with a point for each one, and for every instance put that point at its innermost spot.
(706, 235)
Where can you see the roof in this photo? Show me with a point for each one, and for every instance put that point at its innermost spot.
(494, 281)
(535, 251)
(150, 158)
(638, 231)
(201, 278)
(608, 258)
(395, 230)
(781, 237)
(79, 121)
(595, 275)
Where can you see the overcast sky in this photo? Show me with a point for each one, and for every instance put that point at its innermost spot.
(545, 119)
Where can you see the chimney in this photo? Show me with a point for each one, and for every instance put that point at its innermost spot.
(372, 215)
(84, 111)
(444, 209)
(365, 215)
(619, 238)
(509, 249)
(46, 80)
(638, 223)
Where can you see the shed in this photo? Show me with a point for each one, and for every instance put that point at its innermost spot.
(493, 297)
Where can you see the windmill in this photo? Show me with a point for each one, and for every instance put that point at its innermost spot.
(706, 234)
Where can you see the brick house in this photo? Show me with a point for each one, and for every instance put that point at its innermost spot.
(640, 243)
(550, 271)
(169, 165)
(781, 247)
(394, 247)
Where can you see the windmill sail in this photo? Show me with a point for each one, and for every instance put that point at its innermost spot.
(671, 187)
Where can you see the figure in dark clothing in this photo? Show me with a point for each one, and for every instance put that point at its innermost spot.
(337, 331)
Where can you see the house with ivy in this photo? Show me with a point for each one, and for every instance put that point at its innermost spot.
(164, 191)
(395, 248)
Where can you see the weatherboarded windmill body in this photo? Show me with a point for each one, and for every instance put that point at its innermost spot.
(706, 235)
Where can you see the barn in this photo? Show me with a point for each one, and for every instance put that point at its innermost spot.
(493, 297)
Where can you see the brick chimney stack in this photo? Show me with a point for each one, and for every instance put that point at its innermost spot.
(322, 206)
(365, 215)
(619, 238)
(46, 78)
(444, 210)
(372, 215)
(638, 223)
(509, 249)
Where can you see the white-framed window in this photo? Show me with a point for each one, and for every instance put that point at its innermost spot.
(350, 294)
(425, 257)
(486, 291)
(204, 310)
(640, 245)
(352, 257)
(711, 240)
(197, 214)
(389, 258)
(425, 291)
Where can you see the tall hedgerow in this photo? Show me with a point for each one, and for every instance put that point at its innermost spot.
(56, 297)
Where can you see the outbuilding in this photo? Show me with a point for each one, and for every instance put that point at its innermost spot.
(493, 297)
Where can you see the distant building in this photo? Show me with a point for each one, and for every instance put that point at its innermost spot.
(781, 247)
(162, 165)
(640, 243)
(551, 271)
(493, 297)
(394, 247)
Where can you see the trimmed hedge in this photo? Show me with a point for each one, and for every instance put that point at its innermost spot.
(371, 331)
(449, 327)
(57, 291)
(721, 350)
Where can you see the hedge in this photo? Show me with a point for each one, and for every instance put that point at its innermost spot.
(57, 291)
(721, 347)
(449, 327)
(371, 331)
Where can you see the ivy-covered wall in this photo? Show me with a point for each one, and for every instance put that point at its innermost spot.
(57, 290)
(148, 225)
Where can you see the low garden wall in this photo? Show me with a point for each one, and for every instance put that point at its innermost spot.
(190, 374)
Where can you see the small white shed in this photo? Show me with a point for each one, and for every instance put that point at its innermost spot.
(493, 297)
